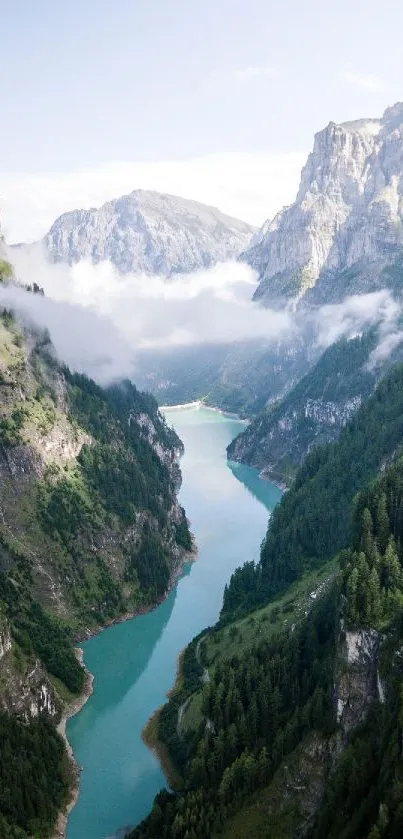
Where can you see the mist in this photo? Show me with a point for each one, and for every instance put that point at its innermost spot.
(99, 319)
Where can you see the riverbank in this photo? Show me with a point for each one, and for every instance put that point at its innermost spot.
(78, 703)
(186, 556)
(139, 659)
(151, 739)
(69, 711)
(198, 404)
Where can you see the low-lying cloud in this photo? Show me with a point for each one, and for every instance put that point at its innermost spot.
(211, 306)
(99, 319)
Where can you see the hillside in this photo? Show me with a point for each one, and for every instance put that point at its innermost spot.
(345, 225)
(312, 413)
(148, 233)
(286, 717)
(90, 530)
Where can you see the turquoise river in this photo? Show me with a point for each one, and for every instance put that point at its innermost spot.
(134, 663)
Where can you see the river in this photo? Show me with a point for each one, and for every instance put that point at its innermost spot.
(134, 663)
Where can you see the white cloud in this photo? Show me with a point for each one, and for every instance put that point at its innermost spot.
(248, 186)
(373, 84)
(212, 306)
(98, 319)
(356, 313)
(249, 73)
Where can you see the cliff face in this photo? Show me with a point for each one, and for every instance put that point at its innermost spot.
(348, 212)
(150, 233)
(90, 524)
(312, 413)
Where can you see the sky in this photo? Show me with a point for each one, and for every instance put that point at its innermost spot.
(212, 99)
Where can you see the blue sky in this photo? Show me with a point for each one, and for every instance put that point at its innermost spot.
(206, 96)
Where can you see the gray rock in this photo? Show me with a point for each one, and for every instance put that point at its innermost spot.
(348, 212)
(147, 232)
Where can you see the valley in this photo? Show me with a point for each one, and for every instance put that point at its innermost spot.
(134, 663)
(160, 539)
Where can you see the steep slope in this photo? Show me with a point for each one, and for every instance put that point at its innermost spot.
(312, 413)
(348, 213)
(90, 530)
(314, 519)
(147, 232)
(286, 721)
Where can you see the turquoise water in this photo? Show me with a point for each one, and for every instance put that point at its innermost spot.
(134, 663)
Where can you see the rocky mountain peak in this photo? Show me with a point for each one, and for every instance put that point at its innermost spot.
(348, 210)
(148, 232)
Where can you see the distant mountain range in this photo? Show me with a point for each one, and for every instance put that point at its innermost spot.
(147, 232)
(343, 235)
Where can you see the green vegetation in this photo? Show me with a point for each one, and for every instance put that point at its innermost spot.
(10, 428)
(253, 720)
(86, 534)
(314, 519)
(258, 707)
(6, 271)
(372, 570)
(312, 413)
(33, 777)
(36, 632)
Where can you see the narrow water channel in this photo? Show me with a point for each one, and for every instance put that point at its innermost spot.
(134, 663)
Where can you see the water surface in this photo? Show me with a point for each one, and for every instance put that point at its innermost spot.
(134, 663)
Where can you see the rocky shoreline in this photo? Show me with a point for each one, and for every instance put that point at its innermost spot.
(152, 741)
(70, 710)
(78, 703)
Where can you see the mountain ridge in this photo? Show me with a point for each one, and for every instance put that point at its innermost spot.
(147, 232)
(348, 211)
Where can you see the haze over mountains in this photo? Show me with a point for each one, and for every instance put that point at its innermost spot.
(204, 337)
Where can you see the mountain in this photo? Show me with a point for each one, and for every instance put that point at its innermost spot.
(314, 411)
(90, 531)
(286, 717)
(346, 222)
(147, 232)
(238, 378)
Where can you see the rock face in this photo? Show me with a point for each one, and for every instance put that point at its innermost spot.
(146, 232)
(357, 685)
(312, 413)
(348, 212)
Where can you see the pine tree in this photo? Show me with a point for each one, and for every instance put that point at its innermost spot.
(382, 522)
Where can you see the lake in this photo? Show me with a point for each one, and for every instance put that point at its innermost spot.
(134, 663)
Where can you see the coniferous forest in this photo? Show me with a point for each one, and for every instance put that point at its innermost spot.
(263, 708)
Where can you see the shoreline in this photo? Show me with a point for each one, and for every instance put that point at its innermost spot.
(71, 710)
(277, 483)
(199, 403)
(77, 704)
(150, 735)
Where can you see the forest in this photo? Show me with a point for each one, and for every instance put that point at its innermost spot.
(314, 519)
(257, 708)
(34, 776)
(261, 706)
(117, 482)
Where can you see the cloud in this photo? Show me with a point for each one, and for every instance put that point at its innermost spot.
(387, 344)
(250, 73)
(98, 319)
(249, 186)
(85, 340)
(373, 84)
(356, 313)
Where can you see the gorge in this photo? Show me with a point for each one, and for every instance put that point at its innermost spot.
(134, 662)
